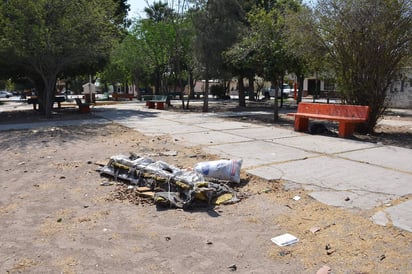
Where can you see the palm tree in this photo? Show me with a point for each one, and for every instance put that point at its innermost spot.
(158, 11)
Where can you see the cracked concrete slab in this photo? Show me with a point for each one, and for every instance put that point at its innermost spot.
(323, 144)
(401, 215)
(339, 174)
(258, 153)
(387, 156)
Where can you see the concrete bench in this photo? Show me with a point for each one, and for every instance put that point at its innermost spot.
(35, 101)
(83, 107)
(347, 116)
(129, 96)
(156, 100)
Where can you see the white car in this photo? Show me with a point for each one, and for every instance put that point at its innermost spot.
(287, 91)
(5, 94)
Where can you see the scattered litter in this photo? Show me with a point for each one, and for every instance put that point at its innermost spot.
(107, 183)
(21, 163)
(168, 185)
(314, 229)
(296, 198)
(59, 220)
(167, 238)
(285, 239)
(324, 270)
(382, 257)
(347, 199)
(221, 169)
(168, 153)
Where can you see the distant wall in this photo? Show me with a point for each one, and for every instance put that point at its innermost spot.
(400, 91)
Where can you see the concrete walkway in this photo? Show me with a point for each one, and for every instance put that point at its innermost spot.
(335, 171)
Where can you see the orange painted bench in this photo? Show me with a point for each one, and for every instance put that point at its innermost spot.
(347, 116)
(83, 107)
(116, 96)
(157, 100)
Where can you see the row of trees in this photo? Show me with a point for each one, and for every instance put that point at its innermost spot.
(359, 43)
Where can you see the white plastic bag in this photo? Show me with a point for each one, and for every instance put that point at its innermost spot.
(221, 169)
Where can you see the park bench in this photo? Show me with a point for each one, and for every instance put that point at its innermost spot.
(116, 96)
(35, 101)
(83, 107)
(156, 100)
(347, 116)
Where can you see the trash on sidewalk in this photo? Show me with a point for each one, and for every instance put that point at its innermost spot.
(166, 184)
(285, 239)
(296, 198)
(221, 169)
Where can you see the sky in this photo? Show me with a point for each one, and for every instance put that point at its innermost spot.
(137, 7)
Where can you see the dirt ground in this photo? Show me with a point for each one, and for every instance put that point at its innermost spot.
(57, 216)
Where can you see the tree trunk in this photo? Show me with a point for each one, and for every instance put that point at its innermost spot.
(241, 92)
(275, 105)
(301, 78)
(251, 88)
(191, 90)
(45, 93)
(206, 95)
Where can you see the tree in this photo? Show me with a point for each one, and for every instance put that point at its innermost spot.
(158, 12)
(264, 48)
(363, 42)
(216, 25)
(46, 37)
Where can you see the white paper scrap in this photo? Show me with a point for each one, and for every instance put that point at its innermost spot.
(285, 239)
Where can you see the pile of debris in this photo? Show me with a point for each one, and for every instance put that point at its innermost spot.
(171, 186)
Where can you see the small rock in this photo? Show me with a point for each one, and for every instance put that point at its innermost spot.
(232, 267)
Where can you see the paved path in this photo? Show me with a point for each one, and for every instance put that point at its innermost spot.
(335, 171)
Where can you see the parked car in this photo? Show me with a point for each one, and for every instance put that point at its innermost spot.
(287, 91)
(5, 94)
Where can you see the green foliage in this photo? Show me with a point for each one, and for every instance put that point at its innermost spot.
(43, 38)
(362, 41)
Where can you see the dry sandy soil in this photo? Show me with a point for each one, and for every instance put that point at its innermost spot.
(57, 217)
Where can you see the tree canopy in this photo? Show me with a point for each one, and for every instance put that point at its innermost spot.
(362, 42)
(43, 38)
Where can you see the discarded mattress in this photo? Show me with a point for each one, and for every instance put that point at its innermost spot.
(173, 187)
